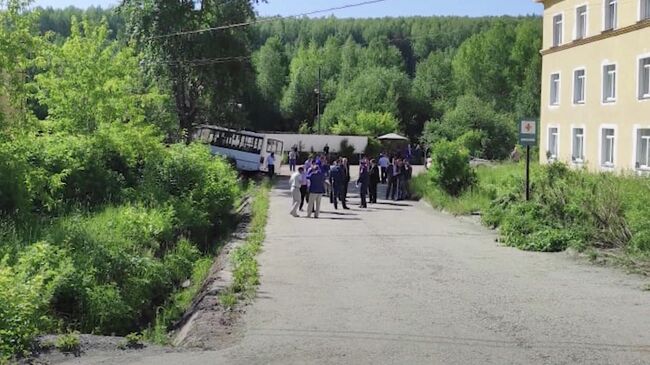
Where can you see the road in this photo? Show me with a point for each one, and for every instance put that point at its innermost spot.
(402, 283)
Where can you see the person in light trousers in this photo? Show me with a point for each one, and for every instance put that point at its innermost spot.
(296, 182)
(316, 191)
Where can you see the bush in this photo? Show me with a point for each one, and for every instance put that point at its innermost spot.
(69, 343)
(25, 293)
(473, 114)
(201, 188)
(450, 168)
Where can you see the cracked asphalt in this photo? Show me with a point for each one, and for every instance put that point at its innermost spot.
(402, 283)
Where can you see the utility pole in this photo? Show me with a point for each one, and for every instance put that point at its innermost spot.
(318, 100)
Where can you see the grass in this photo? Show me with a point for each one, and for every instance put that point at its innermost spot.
(478, 199)
(245, 272)
(603, 216)
(245, 268)
(69, 343)
(178, 304)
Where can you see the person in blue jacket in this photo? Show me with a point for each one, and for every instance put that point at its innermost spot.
(316, 191)
(337, 182)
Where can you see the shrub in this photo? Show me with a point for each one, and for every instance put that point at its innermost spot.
(25, 293)
(346, 149)
(69, 343)
(450, 168)
(202, 189)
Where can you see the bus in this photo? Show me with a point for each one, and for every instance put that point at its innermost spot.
(249, 150)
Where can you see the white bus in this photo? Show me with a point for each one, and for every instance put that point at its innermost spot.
(249, 150)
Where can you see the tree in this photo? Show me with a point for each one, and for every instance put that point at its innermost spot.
(527, 68)
(473, 114)
(271, 66)
(18, 45)
(91, 80)
(371, 124)
(375, 90)
(482, 65)
(206, 71)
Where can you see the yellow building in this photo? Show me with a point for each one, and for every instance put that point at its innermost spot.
(596, 84)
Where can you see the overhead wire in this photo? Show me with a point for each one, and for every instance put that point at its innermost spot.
(266, 20)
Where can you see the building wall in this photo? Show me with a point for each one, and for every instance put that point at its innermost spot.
(626, 114)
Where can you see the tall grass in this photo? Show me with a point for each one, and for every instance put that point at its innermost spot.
(569, 208)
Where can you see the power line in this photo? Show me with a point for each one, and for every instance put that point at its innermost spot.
(267, 20)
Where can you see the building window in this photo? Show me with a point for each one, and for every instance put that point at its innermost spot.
(581, 22)
(644, 78)
(645, 9)
(643, 149)
(611, 10)
(607, 141)
(578, 154)
(609, 83)
(579, 87)
(555, 89)
(552, 143)
(557, 30)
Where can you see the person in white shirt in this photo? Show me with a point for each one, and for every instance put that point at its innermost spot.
(383, 166)
(295, 182)
(270, 163)
(293, 155)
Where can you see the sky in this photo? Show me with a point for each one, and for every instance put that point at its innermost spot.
(382, 9)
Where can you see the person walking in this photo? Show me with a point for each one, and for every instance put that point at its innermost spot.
(374, 181)
(270, 164)
(345, 166)
(393, 179)
(363, 182)
(293, 156)
(304, 188)
(337, 180)
(295, 184)
(316, 191)
(384, 162)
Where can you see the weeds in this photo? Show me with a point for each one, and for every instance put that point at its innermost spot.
(569, 208)
(69, 343)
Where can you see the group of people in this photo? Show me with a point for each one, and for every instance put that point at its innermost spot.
(318, 178)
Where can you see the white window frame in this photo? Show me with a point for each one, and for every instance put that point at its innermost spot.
(575, 30)
(557, 141)
(606, 4)
(558, 91)
(635, 146)
(584, 86)
(561, 38)
(637, 67)
(644, 10)
(601, 163)
(575, 160)
(604, 100)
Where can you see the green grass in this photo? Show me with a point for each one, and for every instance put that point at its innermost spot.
(245, 272)
(178, 304)
(245, 268)
(477, 199)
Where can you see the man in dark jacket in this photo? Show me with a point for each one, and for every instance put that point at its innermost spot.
(374, 181)
(337, 181)
(316, 191)
(363, 182)
(394, 171)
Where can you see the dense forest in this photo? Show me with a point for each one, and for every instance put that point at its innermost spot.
(402, 71)
(106, 206)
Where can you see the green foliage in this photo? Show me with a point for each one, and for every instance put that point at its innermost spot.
(202, 188)
(371, 124)
(377, 89)
(245, 271)
(26, 290)
(228, 300)
(472, 114)
(450, 169)
(346, 149)
(132, 341)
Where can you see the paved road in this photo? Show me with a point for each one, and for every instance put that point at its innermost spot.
(403, 284)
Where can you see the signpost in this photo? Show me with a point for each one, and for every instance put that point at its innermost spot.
(528, 137)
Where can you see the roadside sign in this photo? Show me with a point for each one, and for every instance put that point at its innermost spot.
(528, 133)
